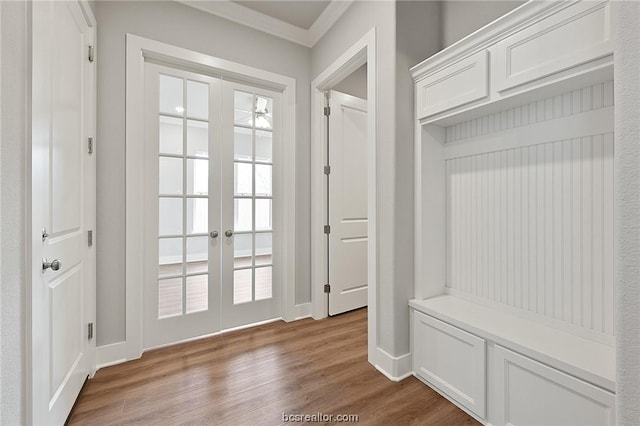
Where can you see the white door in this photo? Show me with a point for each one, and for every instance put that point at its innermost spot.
(347, 203)
(208, 229)
(252, 129)
(63, 204)
(182, 205)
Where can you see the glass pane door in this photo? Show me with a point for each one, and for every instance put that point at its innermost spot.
(250, 135)
(252, 177)
(182, 285)
(183, 196)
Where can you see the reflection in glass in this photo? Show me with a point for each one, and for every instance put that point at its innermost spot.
(264, 113)
(243, 108)
(197, 100)
(263, 283)
(170, 176)
(197, 215)
(264, 249)
(197, 254)
(170, 135)
(198, 138)
(242, 250)
(171, 95)
(263, 179)
(242, 177)
(263, 215)
(242, 214)
(197, 177)
(169, 297)
(169, 216)
(169, 256)
(197, 293)
(242, 286)
(264, 146)
(242, 144)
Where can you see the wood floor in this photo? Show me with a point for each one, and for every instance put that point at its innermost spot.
(196, 290)
(253, 376)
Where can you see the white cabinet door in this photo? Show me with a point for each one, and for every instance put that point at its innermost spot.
(560, 399)
(347, 203)
(575, 35)
(63, 173)
(452, 360)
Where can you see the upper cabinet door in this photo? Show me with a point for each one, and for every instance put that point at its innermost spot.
(571, 37)
(459, 84)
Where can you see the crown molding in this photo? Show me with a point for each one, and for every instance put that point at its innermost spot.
(243, 15)
(506, 25)
(327, 18)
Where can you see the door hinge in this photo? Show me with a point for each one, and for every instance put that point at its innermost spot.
(327, 111)
(90, 238)
(90, 146)
(327, 229)
(327, 288)
(90, 56)
(327, 170)
(90, 331)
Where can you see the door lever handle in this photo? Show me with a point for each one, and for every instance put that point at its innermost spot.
(55, 265)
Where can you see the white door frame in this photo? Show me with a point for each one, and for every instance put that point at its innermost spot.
(363, 51)
(140, 49)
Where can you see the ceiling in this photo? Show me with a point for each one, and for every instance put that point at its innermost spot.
(300, 21)
(301, 13)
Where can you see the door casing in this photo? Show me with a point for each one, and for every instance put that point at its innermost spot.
(361, 52)
(139, 50)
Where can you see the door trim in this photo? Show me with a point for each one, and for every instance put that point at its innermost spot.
(363, 51)
(139, 50)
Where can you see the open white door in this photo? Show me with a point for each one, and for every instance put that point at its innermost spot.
(63, 210)
(347, 203)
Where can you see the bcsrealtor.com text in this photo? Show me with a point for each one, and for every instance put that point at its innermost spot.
(320, 418)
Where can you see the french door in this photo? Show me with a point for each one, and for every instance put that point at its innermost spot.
(209, 234)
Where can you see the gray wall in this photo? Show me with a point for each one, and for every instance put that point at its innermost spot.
(179, 25)
(461, 18)
(627, 96)
(355, 84)
(406, 33)
(418, 36)
(353, 25)
(14, 177)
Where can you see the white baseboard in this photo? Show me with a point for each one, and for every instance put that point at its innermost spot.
(302, 311)
(112, 354)
(395, 368)
(117, 353)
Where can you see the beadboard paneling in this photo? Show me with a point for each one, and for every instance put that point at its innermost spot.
(532, 227)
(579, 101)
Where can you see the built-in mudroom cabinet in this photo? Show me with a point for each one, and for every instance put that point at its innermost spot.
(513, 316)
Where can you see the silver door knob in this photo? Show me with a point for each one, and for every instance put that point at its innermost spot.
(213, 234)
(55, 265)
(228, 232)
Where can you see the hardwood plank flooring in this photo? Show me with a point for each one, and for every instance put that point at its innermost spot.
(253, 376)
(171, 292)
